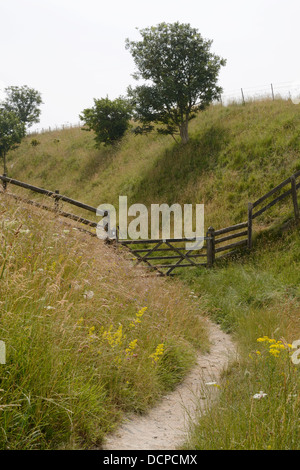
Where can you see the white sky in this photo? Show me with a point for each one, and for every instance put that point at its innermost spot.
(74, 50)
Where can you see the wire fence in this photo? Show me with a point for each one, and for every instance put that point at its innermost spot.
(43, 130)
(273, 91)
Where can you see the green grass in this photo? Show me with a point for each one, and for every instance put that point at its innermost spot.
(81, 348)
(235, 155)
(253, 297)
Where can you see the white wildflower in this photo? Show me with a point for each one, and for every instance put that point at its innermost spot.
(259, 395)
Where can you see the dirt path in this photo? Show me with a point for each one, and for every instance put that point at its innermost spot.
(165, 426)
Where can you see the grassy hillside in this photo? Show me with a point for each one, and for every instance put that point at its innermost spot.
(236, 154)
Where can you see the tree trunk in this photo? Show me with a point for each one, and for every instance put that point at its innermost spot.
(184, 134)
(4, 163)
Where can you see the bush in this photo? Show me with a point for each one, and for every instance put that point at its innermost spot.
(108, 119)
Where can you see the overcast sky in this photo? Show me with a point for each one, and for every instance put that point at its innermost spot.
(73, 51)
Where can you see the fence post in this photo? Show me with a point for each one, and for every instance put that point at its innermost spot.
(243, 98)
(56, 199)
(4, 183)
(210, 246)
(294, 196)
(272, 92)
(250, 209)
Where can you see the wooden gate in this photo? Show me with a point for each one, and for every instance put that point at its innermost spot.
(166, 255)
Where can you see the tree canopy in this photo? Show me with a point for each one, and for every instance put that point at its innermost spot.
(12, 130)
(180, 75)
(24, 102)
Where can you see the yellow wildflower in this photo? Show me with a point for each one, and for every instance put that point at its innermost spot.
(274, 352)
(277, 345)
(131, 347)
(158, 352)
(79, 322)
(91, 335)
(114, 339)
(138, 316)
(261, 340)
(118, 335)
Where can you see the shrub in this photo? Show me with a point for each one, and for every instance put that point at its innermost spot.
(108, 119)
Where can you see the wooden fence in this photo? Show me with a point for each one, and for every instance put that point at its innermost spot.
(218, 244)
(56, 197)
(153, 252)
(254, 210)
(164, 256)
(292, 191)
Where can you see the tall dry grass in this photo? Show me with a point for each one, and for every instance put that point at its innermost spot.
(87, 336)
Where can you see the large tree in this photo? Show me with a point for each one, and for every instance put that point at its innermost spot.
(12, 130)
(24, 102)
(180, 76)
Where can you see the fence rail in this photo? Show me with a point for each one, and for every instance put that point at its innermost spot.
(56, 196)
(46, 192)
(166, 255)
(292, 191)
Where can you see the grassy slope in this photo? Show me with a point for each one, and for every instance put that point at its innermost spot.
(79, 340)
(235, 155)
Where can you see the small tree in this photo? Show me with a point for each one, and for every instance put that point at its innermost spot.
(108, 119)
(24, 102)
(12, 130)
(181, 77)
